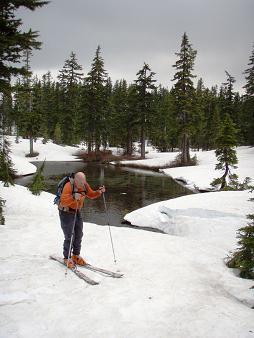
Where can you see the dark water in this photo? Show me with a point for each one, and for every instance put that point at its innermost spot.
(126, 189)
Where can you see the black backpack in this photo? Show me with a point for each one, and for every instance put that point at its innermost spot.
(60, 186)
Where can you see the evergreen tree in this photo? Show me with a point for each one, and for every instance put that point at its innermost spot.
(198, 115)
(249, 72)
(70, 75)
(225, 153)
(28, 105)
(57, 134)
(7, 172)
(144, 87)
(38, 183)
(184, 93)
(119, 114)
(132, 121)
(6, 111)
(228, 99)
(12, 40)
(95, 102)
(70, 78)
(248, 103)
(49, 111)
(212, 119)
(2, 220)
(105, 132)
(124, 119)
(163, 126)
(6, 167)
(243, 257)
(56, 113)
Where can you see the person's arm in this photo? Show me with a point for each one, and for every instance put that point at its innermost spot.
(68, 199)
(92, 194)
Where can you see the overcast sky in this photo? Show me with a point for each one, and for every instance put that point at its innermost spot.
(131, 32)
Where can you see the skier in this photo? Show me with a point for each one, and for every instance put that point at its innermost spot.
(71, 202)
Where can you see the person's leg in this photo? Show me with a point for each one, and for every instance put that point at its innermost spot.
(66, 219)
(78, 235)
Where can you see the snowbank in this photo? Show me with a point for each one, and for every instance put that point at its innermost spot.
(212, 218)
(49, 152)
(174, 286)
(202, 175)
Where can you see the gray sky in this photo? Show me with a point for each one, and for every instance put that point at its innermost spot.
(133, 31)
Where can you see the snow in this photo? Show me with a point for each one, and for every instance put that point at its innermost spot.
(212, 218)
(202, 175)
(49, 152)
(175, 285)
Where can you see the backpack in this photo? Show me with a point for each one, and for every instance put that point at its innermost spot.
(60, 186)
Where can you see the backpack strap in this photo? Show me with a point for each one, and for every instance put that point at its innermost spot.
(71, 180)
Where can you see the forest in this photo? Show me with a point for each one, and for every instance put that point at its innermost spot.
(92, 109)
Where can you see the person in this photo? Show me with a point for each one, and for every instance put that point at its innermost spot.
(71, 202)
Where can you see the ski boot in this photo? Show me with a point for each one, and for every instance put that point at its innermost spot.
(78, 260)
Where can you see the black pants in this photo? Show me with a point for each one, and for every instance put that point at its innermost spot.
(67, 220)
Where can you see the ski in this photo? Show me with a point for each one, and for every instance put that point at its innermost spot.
(103, 271)
(77, 272)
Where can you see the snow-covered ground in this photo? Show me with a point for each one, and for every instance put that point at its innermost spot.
(202, 175)
(174, 285)
(49, 152)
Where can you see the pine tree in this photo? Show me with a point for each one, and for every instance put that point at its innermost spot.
(28, 105)
(163, 129)
(198, 115)
(38, 183)
(212, 119)
(56, 112)
(13, 40)
(70, 75)
(57, 134)
(119, 114)
(144, 86)
(248, 103)
(228, 99)
(243, 257)
(2, 220)
(249, 72)
(49, 116)
(6, 166)
(7, 172)
(95, 102)
(105, 132)
(225, 153)
(184, 93)
(6, 109)
(70, 78)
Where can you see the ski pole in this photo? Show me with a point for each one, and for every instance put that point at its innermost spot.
(72, 235)
(111, 239)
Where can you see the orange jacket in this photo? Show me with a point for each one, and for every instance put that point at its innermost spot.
(67, 199)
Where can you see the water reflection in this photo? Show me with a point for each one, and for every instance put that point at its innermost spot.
(127, 189)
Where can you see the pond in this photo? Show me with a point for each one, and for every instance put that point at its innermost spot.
(127, 189)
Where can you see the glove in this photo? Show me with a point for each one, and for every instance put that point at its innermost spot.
(77, 196)
(102, 189)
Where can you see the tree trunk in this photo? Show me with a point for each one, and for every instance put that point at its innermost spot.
(142, 141)
(185, 149)
(89, 143)
(129, 142)
(223, 178)
(102, 174)
(97, 146)
(31, 146)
